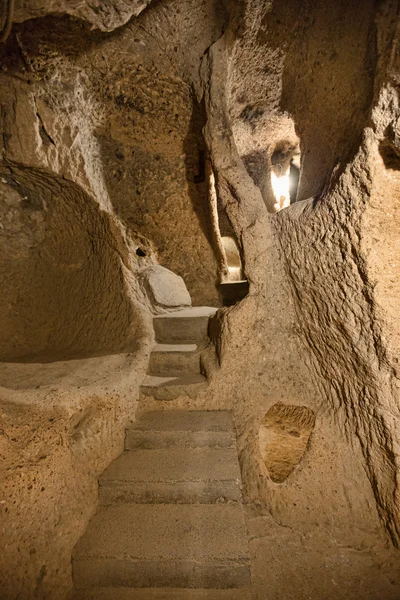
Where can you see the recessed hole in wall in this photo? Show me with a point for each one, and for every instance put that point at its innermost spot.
(140, 252)
(283, 437)
(390, 155)
(233, 258)
(232, 287)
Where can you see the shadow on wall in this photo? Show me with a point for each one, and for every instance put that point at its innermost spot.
(390, 155)
(195, 150)
(158, 188)
(256, 164)
(62, 286)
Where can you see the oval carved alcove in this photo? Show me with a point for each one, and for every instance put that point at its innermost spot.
(283, 437)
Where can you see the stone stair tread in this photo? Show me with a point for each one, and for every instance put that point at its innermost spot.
(172, 522)
(153, 380)
(175, 358)
(212, 491)
(176, 348)
(169, 545)
(122, 593)
(145, 532)
(137, 438)
(193, 312)
(185, 420)
(173, 465)
(185, 326)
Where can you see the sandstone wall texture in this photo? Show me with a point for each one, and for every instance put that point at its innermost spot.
(105, 16)
(100, 178)
(112, 122)
(268, 327)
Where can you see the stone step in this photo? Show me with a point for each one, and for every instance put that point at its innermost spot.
(185, 420)
(121, 593)
(182, 429)
(167, 545)
(161, 594)
(135, 438)
(184, 326)
(167, 386)
(201, 475)
(175, 357)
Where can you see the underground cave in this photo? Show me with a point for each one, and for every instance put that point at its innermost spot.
(199, 300)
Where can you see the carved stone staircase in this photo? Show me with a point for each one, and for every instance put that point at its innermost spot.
(171, 522)
(175, 367)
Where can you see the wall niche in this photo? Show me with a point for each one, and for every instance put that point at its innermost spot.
(283, 438)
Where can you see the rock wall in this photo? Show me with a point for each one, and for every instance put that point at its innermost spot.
(63, 287)
(105, 16)
(346, 300)
(101, 176)
(107, 143)
(61, 425)
(264, 331)
(328, 343)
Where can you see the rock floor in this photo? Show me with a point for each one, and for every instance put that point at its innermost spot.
(288, 565)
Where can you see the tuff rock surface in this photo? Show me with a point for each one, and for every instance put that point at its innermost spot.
(167, 290)
(130, 133)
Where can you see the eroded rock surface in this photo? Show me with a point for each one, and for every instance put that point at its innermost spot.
(143, 146)
(103, 15)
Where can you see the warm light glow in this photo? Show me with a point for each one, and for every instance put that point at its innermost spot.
(235, 273)
(232, 258)
(280, 186)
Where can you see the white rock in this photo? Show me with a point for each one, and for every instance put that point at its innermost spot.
(165, 289)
